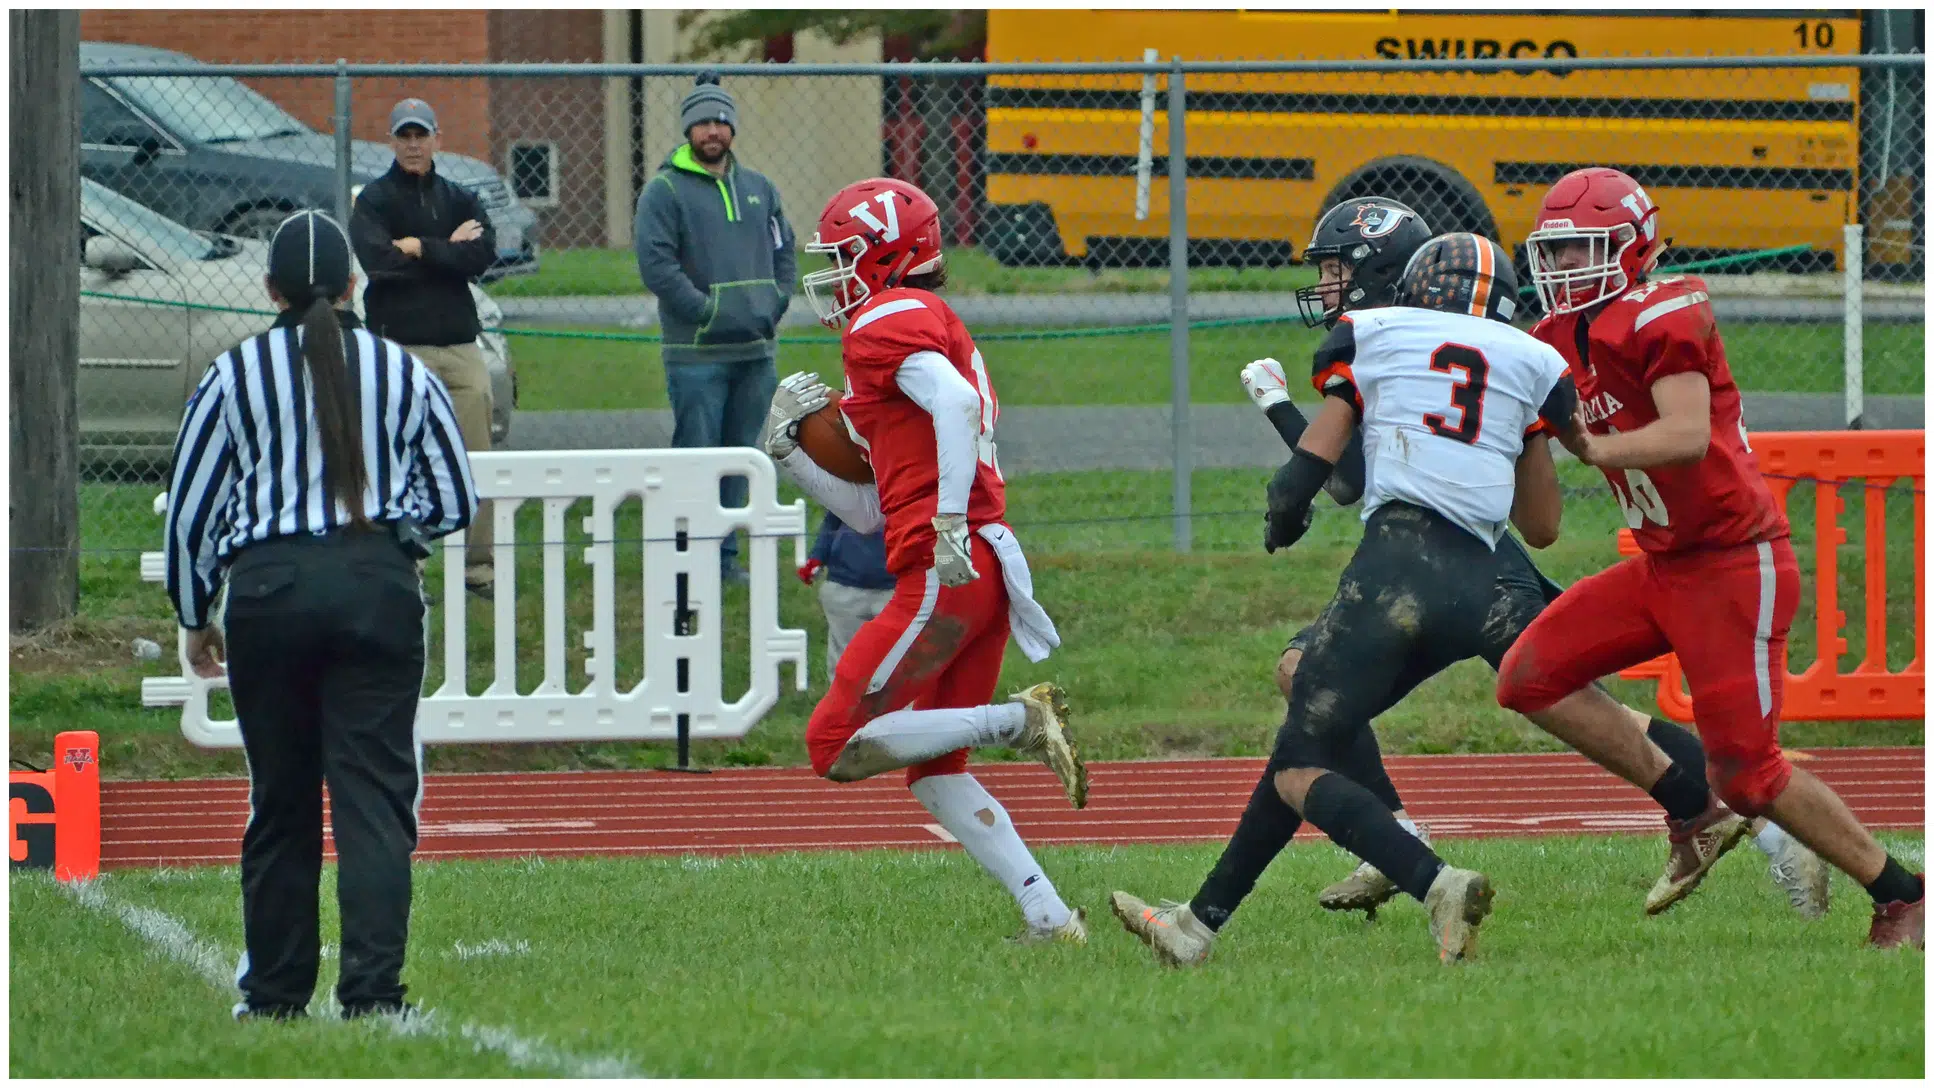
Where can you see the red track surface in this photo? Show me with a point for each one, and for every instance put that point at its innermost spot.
(605, 813)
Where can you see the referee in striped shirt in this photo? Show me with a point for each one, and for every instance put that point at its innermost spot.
(314, 463)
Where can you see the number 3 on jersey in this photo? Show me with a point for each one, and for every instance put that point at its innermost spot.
(1467, 396)
(984, 442)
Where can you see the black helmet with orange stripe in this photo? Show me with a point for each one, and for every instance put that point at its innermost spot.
(1461, 274)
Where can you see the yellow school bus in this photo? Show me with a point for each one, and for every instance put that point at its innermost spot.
(1739, 161)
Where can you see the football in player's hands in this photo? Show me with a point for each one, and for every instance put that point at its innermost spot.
(824, 437)
(1263, 380)
(797, 396)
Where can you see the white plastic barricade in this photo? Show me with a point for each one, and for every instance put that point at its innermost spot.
(680, 697)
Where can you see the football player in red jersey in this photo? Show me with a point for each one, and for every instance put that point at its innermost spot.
(1716, 581)
(919, 401)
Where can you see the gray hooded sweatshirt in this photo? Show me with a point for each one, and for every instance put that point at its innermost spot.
(717, 252)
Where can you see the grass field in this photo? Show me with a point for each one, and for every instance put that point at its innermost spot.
(555, 372)
(1164, 654)
(889, 964)
(606, 272)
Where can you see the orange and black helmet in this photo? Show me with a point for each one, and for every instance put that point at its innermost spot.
(1461, 274)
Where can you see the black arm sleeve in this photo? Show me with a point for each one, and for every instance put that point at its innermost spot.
(1346, 484)
(1296, 483)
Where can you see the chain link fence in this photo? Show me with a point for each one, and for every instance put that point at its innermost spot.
(1073, 252)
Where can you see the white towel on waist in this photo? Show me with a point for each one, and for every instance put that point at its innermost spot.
(1033, 631)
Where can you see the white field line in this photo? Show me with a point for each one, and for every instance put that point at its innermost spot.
(174, 939)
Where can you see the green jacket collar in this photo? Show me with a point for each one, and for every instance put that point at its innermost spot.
(683, 159)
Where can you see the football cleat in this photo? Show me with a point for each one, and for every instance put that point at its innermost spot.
(1802, 875)
(1072, 931)
(1045, 737)
(1177, 937)
(1696, 846)
(1457, 901)
(1366, 889)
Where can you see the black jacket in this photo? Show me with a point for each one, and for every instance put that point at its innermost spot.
(420, 300)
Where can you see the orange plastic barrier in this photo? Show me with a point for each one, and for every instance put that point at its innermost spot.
(1869, 690)
(55, 816)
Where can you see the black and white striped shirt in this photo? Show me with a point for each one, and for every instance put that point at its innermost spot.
(248, 460)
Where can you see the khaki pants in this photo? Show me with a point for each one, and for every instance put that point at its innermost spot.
(847, 609)
(467, 377)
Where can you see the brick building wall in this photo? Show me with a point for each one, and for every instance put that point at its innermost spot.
(368, 37)
(567, 114)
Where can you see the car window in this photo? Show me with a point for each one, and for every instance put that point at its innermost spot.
(209, 111)
(147, 230)
(102, 116)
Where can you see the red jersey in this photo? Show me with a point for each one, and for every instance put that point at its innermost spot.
(898, 434)
(1616, 352)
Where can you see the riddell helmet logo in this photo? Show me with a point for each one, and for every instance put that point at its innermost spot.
(1377, 220)
(77, 758)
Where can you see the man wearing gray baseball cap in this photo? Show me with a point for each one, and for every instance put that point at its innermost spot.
(422, 238)
(714, 246)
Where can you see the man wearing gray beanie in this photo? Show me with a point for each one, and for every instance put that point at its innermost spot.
(715, 248)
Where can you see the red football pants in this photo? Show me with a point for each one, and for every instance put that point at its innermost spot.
(1724, 613)
(934, 645)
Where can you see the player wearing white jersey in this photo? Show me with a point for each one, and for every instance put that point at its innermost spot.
(1423, 590)
(1445, 436)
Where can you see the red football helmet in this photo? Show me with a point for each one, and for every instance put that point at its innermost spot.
(1597, 234)
(878, 232)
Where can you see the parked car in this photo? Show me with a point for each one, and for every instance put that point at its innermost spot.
(212, 153)
(159, 302)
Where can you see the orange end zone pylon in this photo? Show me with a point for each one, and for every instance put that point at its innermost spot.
(54, 817)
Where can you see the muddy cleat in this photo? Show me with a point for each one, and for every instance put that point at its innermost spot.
(1697, 845)
(1802, 875)
(1177, 937)
(1072, 931)
(1366, 889)
(1045, 737)
(1457, 901)
(1898, 923)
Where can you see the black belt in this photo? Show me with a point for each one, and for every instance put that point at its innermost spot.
(405, 535)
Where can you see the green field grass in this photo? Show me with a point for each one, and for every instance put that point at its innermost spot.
(887, 963)
(607, 272)
(555, 372)
(1164, 654)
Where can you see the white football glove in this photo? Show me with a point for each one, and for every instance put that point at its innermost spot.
(1264, 382)
(798, 396)
(953, 554)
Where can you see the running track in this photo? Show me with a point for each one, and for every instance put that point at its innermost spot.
(610, 813)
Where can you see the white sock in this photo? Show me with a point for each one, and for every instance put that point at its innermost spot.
(970, 814)
(1770, 838)
(908, 737)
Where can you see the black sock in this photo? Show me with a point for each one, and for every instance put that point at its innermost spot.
(1895, 884)
(1680, 746)
(1681, 795)
(1353, 818)
(1362, 763)
(1266, 827)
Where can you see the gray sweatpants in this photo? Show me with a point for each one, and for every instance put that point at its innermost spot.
(847, 609)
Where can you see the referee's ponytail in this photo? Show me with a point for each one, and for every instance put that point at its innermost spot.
(309, 266)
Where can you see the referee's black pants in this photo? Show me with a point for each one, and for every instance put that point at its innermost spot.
(325, 664)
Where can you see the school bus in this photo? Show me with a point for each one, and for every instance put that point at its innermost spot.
(1739, 160)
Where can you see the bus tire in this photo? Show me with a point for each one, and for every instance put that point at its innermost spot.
(1440, 194)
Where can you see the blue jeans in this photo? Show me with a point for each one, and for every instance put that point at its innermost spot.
(721, 404)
